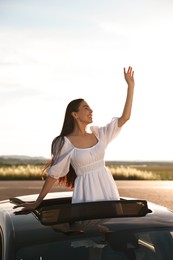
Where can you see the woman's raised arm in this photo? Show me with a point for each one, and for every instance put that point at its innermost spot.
(129, 77)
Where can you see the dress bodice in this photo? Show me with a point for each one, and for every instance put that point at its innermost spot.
(94, 181)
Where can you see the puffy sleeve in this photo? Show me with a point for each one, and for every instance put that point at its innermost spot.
(61, 163)
(107, 133)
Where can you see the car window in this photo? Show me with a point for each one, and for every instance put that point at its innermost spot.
(119, 245)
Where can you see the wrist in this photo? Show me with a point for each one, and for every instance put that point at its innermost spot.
(37, 203)
(131, 85)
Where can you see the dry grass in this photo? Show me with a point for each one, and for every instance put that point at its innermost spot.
(130, 173)
(21, 172)
(119, 172)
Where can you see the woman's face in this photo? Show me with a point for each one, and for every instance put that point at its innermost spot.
(84, 113)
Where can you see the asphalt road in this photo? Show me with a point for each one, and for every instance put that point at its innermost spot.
(156, 191)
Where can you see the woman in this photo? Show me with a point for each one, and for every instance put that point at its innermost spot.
(78, 156)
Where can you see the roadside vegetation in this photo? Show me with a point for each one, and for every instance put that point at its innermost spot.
(126, 171)
(21, 172)
(142, 171)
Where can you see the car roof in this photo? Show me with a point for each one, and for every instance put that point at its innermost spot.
(30, 224)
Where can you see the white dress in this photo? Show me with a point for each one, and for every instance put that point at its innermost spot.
(94, 182)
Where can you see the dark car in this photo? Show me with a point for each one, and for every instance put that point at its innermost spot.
(105, 230)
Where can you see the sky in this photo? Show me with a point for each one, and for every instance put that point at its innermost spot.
(53, 51)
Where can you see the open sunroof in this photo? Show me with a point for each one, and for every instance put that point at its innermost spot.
(92, 210)
(58, 211)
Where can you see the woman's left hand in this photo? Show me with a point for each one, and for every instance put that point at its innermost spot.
(129, 76)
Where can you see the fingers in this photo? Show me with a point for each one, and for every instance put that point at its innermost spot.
(18, 206)
(24, 205)
(129, 72)
(24, 210)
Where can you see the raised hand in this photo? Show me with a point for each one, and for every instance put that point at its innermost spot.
(129, 76)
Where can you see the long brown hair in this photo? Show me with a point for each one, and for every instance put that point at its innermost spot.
(58, 142)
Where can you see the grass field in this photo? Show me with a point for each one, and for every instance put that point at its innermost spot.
(21, 172)
(148, 171)
(120, 171)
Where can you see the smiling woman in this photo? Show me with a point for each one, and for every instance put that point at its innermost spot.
(78, 156)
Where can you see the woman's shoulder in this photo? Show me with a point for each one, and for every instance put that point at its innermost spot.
(67, 142)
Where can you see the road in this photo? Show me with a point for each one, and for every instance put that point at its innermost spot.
(156, 191)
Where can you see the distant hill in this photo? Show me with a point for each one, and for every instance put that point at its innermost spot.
(139, 162)
(24, 160)
(21, 159)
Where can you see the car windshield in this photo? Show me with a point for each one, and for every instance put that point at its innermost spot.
(104, 245)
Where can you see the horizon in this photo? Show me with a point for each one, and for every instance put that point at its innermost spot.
(117, 161)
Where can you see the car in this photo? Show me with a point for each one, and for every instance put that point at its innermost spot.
(127, 229)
